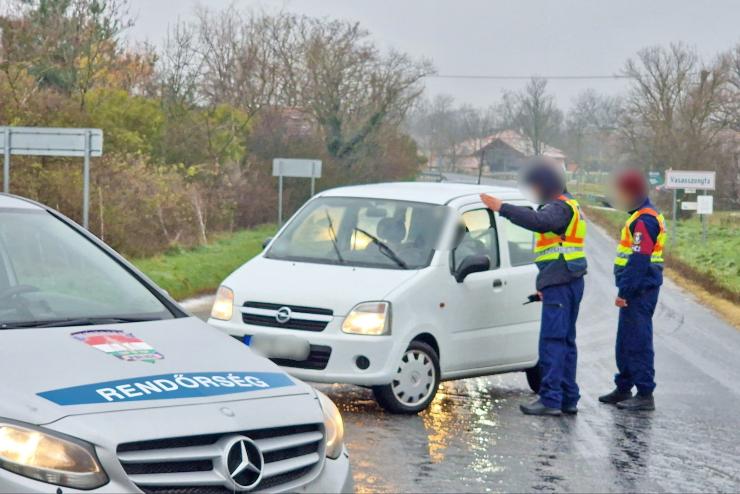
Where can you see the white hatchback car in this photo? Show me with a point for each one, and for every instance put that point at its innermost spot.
(392, 286)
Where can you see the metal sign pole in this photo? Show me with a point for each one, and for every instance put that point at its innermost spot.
(674, 223)
(703, 218)
(280, 201)
(86, 181)
(6, 163)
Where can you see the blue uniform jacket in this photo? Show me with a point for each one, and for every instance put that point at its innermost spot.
(553, 217)
(640, 274)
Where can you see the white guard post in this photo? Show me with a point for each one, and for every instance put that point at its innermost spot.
(61, 142)
(283, 167)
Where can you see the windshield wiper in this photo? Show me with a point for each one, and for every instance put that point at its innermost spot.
(384, 249)
(81, 321)
(333, 237)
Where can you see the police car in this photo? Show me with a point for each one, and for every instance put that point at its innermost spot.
(108, 386)
(391, 286)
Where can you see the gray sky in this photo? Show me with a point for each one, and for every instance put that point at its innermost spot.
(495, 37)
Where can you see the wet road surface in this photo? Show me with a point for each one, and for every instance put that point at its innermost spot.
(474, 439)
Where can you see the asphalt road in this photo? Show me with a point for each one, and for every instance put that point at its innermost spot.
(474, 438)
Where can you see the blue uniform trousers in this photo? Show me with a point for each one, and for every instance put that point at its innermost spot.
(558, 352)
(635, 354)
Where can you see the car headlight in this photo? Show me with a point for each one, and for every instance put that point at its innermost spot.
(223, 307)
(49, 458)
(333, 425)
(369, 318)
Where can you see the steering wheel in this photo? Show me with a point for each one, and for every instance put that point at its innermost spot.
(14, 291)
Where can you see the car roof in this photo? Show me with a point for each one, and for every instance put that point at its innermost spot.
(15, 202)
(427, 192)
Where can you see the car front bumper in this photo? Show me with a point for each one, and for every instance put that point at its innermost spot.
(107, 431)
(382, 352)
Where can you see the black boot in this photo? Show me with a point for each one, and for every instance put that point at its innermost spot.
(615, 397)
(537, 408)
(570, 409)
(638, 403)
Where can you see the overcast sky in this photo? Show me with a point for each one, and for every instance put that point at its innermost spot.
(506, 38)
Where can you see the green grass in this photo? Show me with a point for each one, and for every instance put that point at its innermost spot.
(714, 264)
(189, 272)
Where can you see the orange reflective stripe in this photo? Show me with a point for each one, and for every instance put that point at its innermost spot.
(544, 242)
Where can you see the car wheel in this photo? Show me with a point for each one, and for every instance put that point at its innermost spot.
(416, 381)
(534, 378)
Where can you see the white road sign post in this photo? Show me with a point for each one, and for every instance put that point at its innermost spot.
(284, 167)
(41, 141)
(692, 180)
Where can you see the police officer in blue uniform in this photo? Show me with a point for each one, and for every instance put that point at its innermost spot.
(562, 264)
(638, 271)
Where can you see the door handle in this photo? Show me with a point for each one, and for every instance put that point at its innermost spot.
(498, 283)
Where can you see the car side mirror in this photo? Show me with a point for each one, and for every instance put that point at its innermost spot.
(470, 265)
(266, 242)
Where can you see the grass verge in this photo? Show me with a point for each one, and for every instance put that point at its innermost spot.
(186, 273)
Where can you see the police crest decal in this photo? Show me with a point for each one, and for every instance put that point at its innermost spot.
(120, 344)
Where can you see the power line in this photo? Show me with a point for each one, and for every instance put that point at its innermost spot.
(526, 77)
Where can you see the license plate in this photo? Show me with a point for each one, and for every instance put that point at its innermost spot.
(284, 347)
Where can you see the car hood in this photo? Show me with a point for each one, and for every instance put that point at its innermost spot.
(50, 373)
(326, 286)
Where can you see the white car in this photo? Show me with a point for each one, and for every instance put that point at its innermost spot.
(392, 286)
(108, 386)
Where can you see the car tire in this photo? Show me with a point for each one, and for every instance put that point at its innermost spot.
(534, 378)
(415, 384)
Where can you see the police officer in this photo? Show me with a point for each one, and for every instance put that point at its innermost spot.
(560, 235)
(638, 270)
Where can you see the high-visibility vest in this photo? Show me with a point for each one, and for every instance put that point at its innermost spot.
(624, 249)
(550, 246)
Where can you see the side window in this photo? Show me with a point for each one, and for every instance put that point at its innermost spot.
(521, 243)
(480, 237)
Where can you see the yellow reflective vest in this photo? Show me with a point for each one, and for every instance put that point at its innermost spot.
(550, 246)
(626, 243)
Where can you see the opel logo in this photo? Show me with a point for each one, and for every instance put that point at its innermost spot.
(244, 463)
(283, 315)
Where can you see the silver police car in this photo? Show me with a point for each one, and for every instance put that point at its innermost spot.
(108, 386)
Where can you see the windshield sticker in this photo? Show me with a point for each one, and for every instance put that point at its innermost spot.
(121, 344)
(168, 387)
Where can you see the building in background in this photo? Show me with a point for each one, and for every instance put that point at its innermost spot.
(501, 152)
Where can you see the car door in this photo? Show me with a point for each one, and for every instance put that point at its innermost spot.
(520, 272)
(477, 303)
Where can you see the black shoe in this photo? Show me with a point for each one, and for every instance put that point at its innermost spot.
(615, 397)
(638, 403)
(537, 408)
(570, 410)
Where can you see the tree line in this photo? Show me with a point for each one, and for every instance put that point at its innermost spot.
(191, 126)
(678, 112)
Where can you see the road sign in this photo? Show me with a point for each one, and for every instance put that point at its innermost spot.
(40, 141)
(301, 168)
(296, 168)
(705, 204)
(45, 141)
(655, 179)
(688, 206)
(681, 179)
(689, 191)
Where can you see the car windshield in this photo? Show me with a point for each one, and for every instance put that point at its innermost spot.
(51, 275)
(362, 232)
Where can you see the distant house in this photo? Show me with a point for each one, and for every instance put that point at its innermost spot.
(503, 151)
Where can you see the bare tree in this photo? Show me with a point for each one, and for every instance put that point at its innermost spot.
(478, 126)
(533, 112)
(591, 129)
(673, 111)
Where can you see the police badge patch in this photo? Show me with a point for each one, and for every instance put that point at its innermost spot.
(120, 344)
